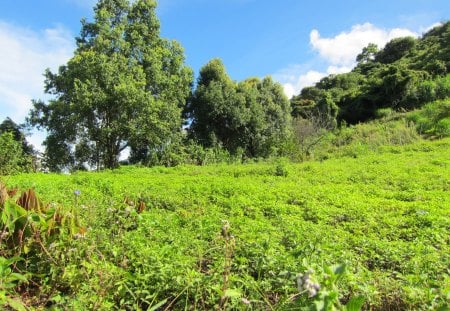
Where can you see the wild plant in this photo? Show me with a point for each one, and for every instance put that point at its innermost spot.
(228, 257)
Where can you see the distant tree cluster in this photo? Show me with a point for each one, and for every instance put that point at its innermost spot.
(404, 75)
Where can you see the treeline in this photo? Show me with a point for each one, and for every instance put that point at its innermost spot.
(126, 88)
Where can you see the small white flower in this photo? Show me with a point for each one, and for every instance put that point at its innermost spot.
(245, 301)
(306, 284)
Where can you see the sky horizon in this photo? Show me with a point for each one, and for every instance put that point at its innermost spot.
(296, 43)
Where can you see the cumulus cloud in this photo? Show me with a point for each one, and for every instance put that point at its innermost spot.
(23, 59)
(338, 52)
(24, 56)
(342, 49)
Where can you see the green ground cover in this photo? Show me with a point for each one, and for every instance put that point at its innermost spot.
(237, 236)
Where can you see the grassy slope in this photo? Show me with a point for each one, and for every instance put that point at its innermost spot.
(384, 214)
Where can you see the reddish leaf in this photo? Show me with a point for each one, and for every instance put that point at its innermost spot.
(141, 207)
(29, 201)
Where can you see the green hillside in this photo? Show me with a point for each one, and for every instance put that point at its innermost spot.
(233, 197)
(238, 236)
(404, 75)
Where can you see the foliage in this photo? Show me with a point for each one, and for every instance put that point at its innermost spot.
(10, 126)
(252, 116)
(310, 131)
(323, 295)
(433, 119)
(16, 155)
(155, 237)
(124, 87)
(395, 49)
(28, 229)
(404, 75)
(368, 54)
(12, 158)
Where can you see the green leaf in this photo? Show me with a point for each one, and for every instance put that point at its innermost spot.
(232, 293)
(339, 269)
(18, 277)
(355, 304)
(16, 305)
(319, 304)
(158, 305)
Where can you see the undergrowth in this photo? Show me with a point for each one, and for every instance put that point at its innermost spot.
(368, 230)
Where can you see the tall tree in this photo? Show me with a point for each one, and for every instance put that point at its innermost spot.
(253, 116)
(368, 54)
(124, 87)
(212, 109)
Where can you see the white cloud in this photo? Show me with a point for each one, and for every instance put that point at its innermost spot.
(293, 84)
(428, 28)
(338, 52)
(23, 59)
(24, 56)
(342, 49)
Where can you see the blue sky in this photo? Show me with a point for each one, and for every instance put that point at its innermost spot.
(297, 42)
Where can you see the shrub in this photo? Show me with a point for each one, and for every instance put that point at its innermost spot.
(433, 119)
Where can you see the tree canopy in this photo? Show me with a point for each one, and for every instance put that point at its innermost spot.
(252, 116)
(16, 154)
(399, 77)
(125, 87)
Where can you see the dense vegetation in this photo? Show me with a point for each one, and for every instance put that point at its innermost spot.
(16, 154)
(233, 197)
(235, 236)
(406, 74)
(128, 88)
(125, 87)
(251, 117)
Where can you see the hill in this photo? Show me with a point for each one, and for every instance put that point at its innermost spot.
(405, 75)
(235, 236)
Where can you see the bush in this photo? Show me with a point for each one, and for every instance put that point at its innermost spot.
(433, 119)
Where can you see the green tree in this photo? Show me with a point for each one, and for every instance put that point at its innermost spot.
(9, 125)
(395, 49)
(303, 103)
(16, 155)
(12, 158)
(276, 109)
(124, 87)
(213, 110)
(252, 116)
(368, 53)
